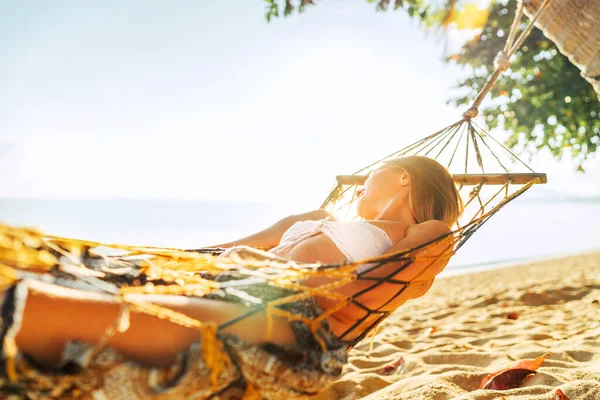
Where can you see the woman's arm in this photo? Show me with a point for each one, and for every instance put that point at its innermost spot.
(420, 272)
(54, 315)
(428, 262)
(271, 236)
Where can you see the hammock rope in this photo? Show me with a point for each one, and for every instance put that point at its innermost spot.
(502, 59)
(487, 162)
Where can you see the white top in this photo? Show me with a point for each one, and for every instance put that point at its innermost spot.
(357, 240)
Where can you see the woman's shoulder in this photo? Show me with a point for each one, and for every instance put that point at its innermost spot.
(429, 230)
(418, 234)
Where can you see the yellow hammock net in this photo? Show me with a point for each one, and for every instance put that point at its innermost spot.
(487, 173)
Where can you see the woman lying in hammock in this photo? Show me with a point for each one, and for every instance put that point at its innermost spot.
(405, 203)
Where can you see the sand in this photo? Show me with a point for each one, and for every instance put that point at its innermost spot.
(459, 332)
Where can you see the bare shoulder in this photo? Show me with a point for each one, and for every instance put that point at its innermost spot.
(417, 235)
(428, 230)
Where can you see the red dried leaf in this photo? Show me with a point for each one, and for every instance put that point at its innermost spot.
(389, 368)
(559, 395)
(509, 379)
(524, 365)
(512, 315)
(533, 364)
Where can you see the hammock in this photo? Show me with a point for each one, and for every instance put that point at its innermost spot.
(487, 173)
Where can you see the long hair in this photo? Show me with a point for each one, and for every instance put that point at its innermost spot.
(433, 193)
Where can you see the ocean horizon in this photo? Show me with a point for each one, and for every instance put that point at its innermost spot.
(534, 227)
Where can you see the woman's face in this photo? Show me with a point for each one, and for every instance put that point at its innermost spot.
(383, 186)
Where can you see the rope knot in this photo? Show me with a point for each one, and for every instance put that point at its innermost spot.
(470, 113)
(501, 61)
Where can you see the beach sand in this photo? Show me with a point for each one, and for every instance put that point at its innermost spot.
(459, 332)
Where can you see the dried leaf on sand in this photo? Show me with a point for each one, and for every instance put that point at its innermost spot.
(510, 378)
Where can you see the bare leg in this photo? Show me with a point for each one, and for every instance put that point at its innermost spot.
(54, 315)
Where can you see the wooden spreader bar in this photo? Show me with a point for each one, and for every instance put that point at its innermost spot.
(464, 179)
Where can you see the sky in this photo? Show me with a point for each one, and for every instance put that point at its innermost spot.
(206, 100)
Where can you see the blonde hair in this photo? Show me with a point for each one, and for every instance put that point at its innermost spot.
(433, 194)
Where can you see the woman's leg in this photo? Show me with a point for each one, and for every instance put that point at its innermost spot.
(54, 315)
